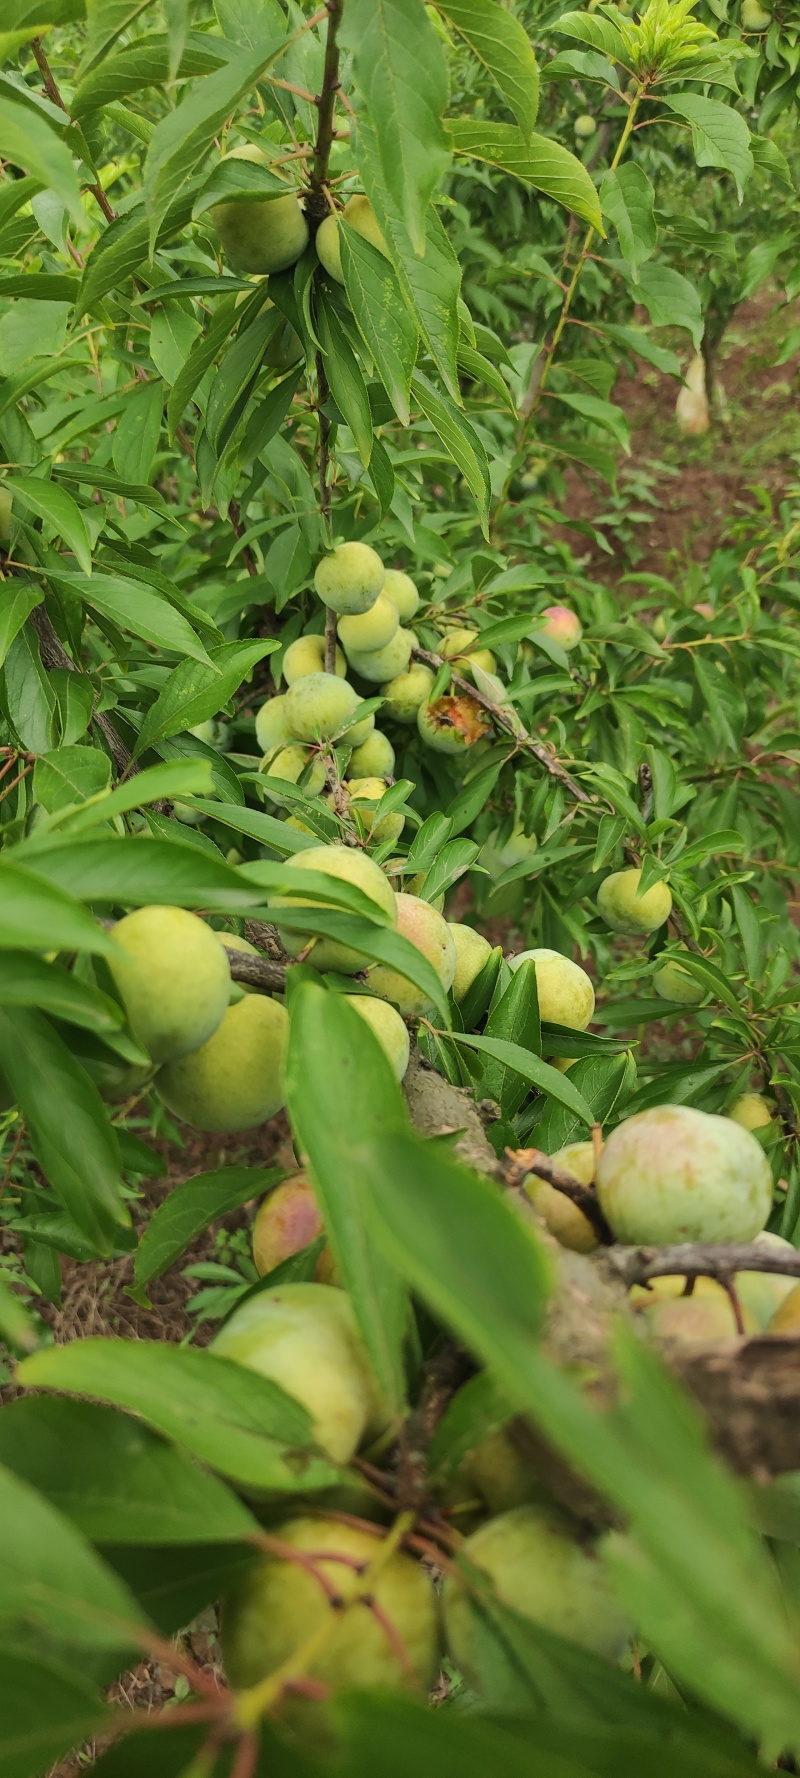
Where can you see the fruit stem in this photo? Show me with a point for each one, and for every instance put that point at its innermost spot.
(254, 1703)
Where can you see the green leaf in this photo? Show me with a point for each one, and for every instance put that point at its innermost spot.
(600, 33)
(27, 980)
(514, 1019)
(537, 161)
(30, 700)
(201, 356)
(139, 65)
(236, 378)
(341, 1092)
(500, 43)
(600, 413)
(155, 784)
(603, 1082)
(44, 1711)
(133, 872)
(37, 916)
(137, 433)
(135, 608)
(636, 340)
(379, 943)
(460, 440)
(401, 73)
(106, 20)
(531, 1068)
(192, 1207)
(720, 136)
(194, 691)
(69, 775)
(345, 376)
(230, 1417)
(381, 315)
(670, 300)
(116, 1481)
(18, 598)
(97, 475)
(28, 141)
(628, 201)
(52, 1579)
(69, 1129)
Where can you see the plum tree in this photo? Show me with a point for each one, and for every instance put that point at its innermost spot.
(541, 1571)
(365, 794)
(304, 1337)
(564, 1219)
(318, 706)
(271, 724)
(400, 588)
(349, 580)
(452, 724)
(234, 1081)
(752, 1111)
(359, 215)
(381, 664)
(561, 625)
(173, 979)
(406, 693)
(472, 952)
(625, 910)
(374, 758)
(429, 932)
(349, 866)
(388, 1027)
(372, 630)
(566, 995)
(290, 763)
(278, 1606)
(307, 655)
(677, 1174)
(675, 983)
(260, 234)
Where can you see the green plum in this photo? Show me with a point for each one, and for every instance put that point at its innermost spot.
(407, 692)
(235, 1080)
(472, 952)
(271, 724)
(260, 235)
(374, 758)
(350, 866)
(675, 983)
(625, 910)
(372, 630)
(307, 655)
(318, 706)
(382, 664)
(359, 215)
(388, 1027)
(400, 588)
(677, 1174)
(452, 724)
(173, 977)
(566, 995)
(349, 580)
(420, 923)
(366, 793)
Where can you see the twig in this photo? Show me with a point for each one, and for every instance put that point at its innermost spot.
(257, 972)
(521, 1161)
(700, 1259)
(317, 208)
(53, 94)
(53, 654)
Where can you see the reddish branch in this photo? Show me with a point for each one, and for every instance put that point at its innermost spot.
(522, 1161)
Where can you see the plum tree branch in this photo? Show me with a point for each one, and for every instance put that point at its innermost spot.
(701, 1259)
(53, 94)
(522, 1161)
(257, 972)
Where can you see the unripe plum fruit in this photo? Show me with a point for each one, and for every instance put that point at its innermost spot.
(429, 932)
(307, 655)
(755, 16)
(374, 758)
(561, 625)
(290, 763)
(400, 588)
(786, 1319)
(459, 646)
(497, 859)
(696, 1320)
(762, 1293)
(287, 1222)
(233, 943)
(277, 1606)
(260, 235)
(407, 692)
(173, 978)
(305, 1338)
(584, 126)
(349, 866)
(452, 724)
(271, 725)
(235, 1080)
(388, 1028)
(752, 1111)
(563, 1218)
(674, 983)
(359, 214)
(364, 792)
(497, 1472)
(372, 630)
(566, 995)
(539, 1570)
(625, 910)
(677, 1174)
(472, 952)
(318, 705)
(380, 664)
(349, 580)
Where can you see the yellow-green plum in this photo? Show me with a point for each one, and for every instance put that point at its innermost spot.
(173, 978)
(290, 763)
(381, 664)
(459, 646)
(563, 1218)
(279, 1605)
(307, 655)
(472, 952)
(452, 724)
(762, 1293)
(693, 1320)
(499, 858)
(318, 706)
(260, 235)
(271, 725)
(348, 866)
(359, 215)
(561, 625)
(288, 1220)
(625, 910)
(496, 1471)
(755, 16)
(584, 127)
(189, 816)
(407, 692)
(539, 1570)
(677, 1174)
(365, 794)
(233, 943)
(349, 580)
(358, 732)
(786, 1319)
(212, 731)
(372, 630)
(429, 932)
(566, 995)
(374, 758)
(400, 588)
(304, 1337)
(752, 1111)
(675, 983)
(388, 1028)
(235, 1080)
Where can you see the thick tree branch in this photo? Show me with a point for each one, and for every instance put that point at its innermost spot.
(257, 972)
(696, 1259)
